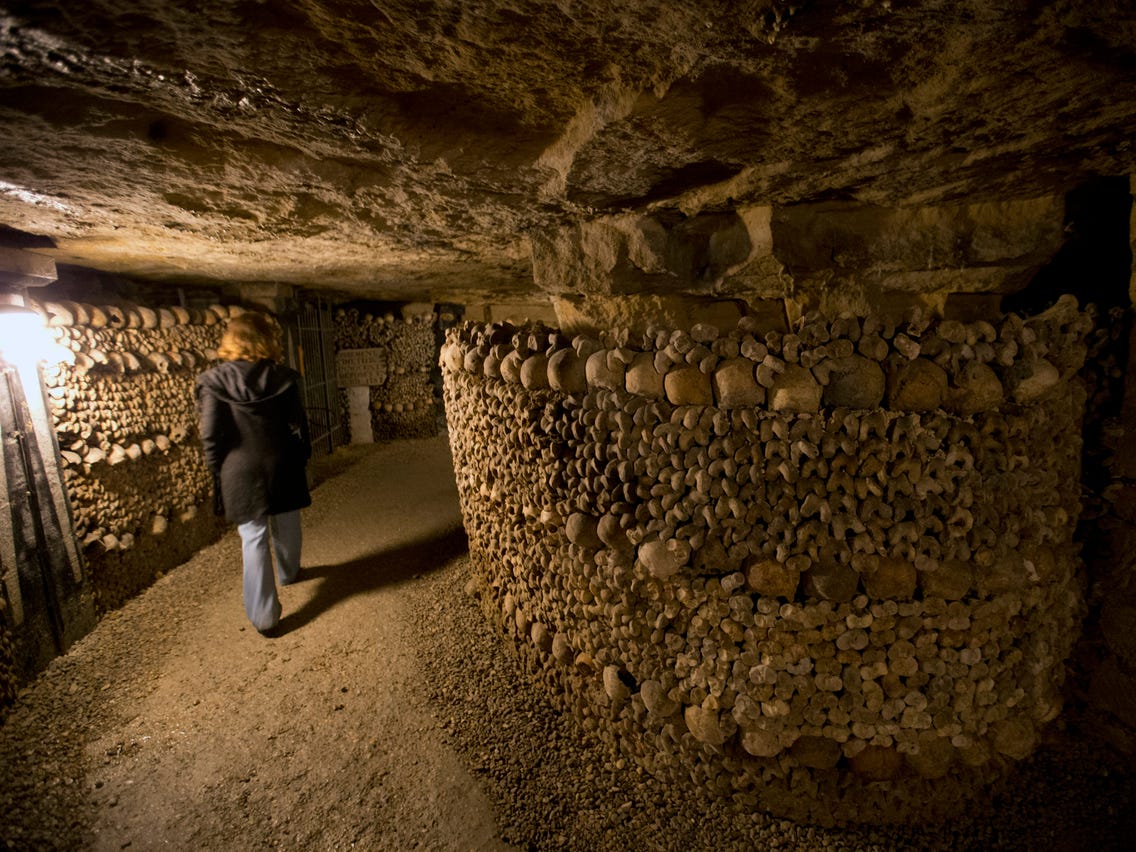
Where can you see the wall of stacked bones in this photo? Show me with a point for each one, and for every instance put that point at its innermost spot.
(1104, 667)
(140, 494)
(828, 572)
(406, 404)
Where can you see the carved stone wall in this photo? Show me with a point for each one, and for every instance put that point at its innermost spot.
(829, 573)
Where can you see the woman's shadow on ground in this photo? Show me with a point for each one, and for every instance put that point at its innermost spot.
(337, 583)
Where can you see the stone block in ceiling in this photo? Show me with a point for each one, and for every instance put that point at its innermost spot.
(576, 314)
(631, 253)
(980, 247)
(774, 252)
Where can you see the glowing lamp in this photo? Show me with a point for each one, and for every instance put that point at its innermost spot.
(24, 341)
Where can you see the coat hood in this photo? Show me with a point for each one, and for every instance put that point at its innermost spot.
(248, 382)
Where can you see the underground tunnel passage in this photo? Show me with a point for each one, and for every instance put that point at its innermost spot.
(720, 414)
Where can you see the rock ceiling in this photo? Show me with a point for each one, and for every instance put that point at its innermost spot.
(413, 149)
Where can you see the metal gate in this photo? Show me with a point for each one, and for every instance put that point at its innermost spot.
(310, 341)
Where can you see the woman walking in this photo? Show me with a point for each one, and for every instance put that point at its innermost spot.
(255, 436)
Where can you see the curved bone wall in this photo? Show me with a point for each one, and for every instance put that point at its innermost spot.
(124, 415)
(826, 573)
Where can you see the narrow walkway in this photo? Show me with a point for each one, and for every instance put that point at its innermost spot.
(197, 732)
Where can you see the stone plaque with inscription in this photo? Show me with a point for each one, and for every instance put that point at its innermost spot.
(360, 367)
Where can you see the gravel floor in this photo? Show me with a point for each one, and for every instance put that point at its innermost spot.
(389, 716)
(554, 788)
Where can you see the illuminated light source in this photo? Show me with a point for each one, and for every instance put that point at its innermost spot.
(24, 340)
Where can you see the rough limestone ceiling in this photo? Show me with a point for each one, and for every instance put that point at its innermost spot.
(410, 149)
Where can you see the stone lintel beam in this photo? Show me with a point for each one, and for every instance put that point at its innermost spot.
(838, 256)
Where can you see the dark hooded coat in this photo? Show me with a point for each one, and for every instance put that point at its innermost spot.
(254, 432)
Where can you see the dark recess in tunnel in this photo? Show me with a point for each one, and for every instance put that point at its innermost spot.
(1096, 259)
(1095, 263)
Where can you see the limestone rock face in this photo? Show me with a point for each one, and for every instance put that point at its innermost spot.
(454, 151)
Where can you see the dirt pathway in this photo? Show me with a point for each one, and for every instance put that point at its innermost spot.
(214, 737)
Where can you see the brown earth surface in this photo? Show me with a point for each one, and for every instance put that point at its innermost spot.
(183, 727)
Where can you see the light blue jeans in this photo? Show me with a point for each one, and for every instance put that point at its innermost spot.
(259, 539)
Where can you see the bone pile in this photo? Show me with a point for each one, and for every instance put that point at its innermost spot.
(404, 406)
(828, 573)
(124, 416)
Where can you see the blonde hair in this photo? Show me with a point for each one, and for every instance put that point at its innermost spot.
(251, 336)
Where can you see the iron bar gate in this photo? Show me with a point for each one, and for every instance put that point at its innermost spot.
(311, 351)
